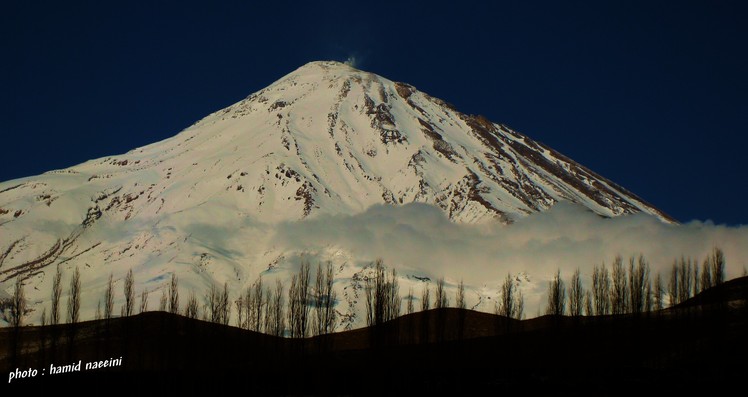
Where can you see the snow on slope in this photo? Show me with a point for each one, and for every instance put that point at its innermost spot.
(324, 139)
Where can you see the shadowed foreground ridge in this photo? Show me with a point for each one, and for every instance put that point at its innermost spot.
(700, 343)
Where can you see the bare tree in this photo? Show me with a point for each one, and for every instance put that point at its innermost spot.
(382, 296)
(164, 301)
(576, 294)
(393, 301)
(505, 305)
(685, 282)
(44, 316)
(440, 300)
(293, 307)
(648, 301)
(212, 310)
(268, 306)
(129, 293)
(259, 305)
(460, 296)
(109, 299)
(511, 302)
(588, 306)
(276, 324)
(217, 304)
(324, 300)
(657, 293)
(144, 300)
(426, 298)
(717, 259)
(619, 292)
(638, 282)
(18, 304)
(318, 301)
(706, 274)
(74, 297)
(409, 305)
(248, 303)
(298, 302)
(556, 296)
(373, 291)
(697, 287)
(192, 309)
(519, 311)
(224, 305)
(601, 290)
(255, 304)
(674, 285)
(240, 311)
(54, 316)
(173, 294)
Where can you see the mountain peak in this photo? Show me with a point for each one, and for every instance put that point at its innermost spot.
(326, 139)
(325, 67)
(329, 138)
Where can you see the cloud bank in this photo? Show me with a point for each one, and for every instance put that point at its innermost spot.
(419, 239)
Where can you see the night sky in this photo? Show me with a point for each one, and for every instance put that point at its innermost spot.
(651, 96)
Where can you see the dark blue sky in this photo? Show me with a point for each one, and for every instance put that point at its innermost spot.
(652, 96)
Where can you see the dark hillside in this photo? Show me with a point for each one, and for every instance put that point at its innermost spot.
(699, 344)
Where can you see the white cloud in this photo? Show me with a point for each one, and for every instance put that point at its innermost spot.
(418, 238)
(351, 61)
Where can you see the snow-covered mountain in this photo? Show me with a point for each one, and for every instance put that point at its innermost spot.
(326, 139)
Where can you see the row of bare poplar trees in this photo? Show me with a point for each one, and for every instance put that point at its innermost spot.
(383, 302)
(629, 289)
(263, 309)
(310, 308)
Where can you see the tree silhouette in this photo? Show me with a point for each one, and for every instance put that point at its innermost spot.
(382, 296)
(74, 297)
(324, 304)
(425, 298)
(129, 293)
(685, 282)
(673, 286)
(576, 294)
(460, 296)
(18, 304)
(174, 294)
(706, 274)
(276, 324)
(589, 309)
(192, 309)
(225, 306)
(163, 302)
(240, 311)
(54, 315)
(506, 305)
(556, 296)
(255, 303)
(619, 293)
(144, 300)
(440, 299)
(601, 290)
(268, 308)
(109, 299)
(298, 302)
(638, 282)
(658, 292)
(409, 305)
(717, 260)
